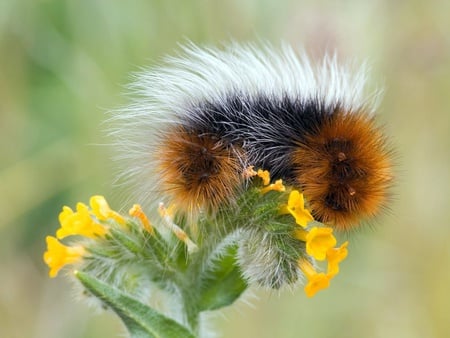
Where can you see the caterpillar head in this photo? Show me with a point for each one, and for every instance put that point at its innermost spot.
(198, 171)
(344, 169)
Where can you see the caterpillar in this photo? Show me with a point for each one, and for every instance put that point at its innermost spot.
(203, 116)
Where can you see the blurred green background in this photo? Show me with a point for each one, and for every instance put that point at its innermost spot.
(64, 63)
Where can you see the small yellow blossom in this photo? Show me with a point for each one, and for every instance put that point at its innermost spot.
(316, 281)
(296, 207)
(264, 175)
(79, 223)
(277, 186)
(319, 241)
(102, 211)
(136, 211)
(334, 257)
(59, 255)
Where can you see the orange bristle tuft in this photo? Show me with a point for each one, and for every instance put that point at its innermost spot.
(344, 169)
(199, 171)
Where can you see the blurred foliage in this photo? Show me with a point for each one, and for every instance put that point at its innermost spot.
(64, 63)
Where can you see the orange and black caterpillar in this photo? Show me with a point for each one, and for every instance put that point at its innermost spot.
(203, 117)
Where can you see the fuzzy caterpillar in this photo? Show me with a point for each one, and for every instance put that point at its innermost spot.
(204, 116)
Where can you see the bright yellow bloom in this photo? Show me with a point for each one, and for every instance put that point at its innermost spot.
(102, 211)
(296, 207)
(265, 175)
(59, 255)
(319, 241)
(316, 281)
(277, 186)
(334, 257)
(136, 211)
(79, 223)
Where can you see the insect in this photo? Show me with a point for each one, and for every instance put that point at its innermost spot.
(200, 119)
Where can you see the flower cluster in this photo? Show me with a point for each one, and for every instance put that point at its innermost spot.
(266, 236)
(91, 223)
(320, 245)
(319, 240)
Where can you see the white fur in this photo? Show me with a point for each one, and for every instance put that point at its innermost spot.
(197, 74)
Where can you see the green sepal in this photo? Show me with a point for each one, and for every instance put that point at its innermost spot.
(125, 240)
(141, 320)
(222, 284)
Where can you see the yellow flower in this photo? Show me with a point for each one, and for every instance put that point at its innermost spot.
(277, 186)
(136, 211)
(102, 211)
(265, 175)
(334, 257)
(316, 281)
(59, 255)
(79, 223)
(319, 241)
(296, 207)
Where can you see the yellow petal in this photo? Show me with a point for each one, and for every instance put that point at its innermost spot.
(334, 257)
(100, 207)
(296, 199)
(136, 211)
(59, 255)
(319, 241)
(300, 234)
(277, 186)
(65, 214)
(79, 223)
(303, 217)
(102, 211)
(265, 175)
(307, 268)
(318, 282)
(296, 207)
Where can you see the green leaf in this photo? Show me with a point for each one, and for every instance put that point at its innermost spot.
(141, 320)
(223, 283)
